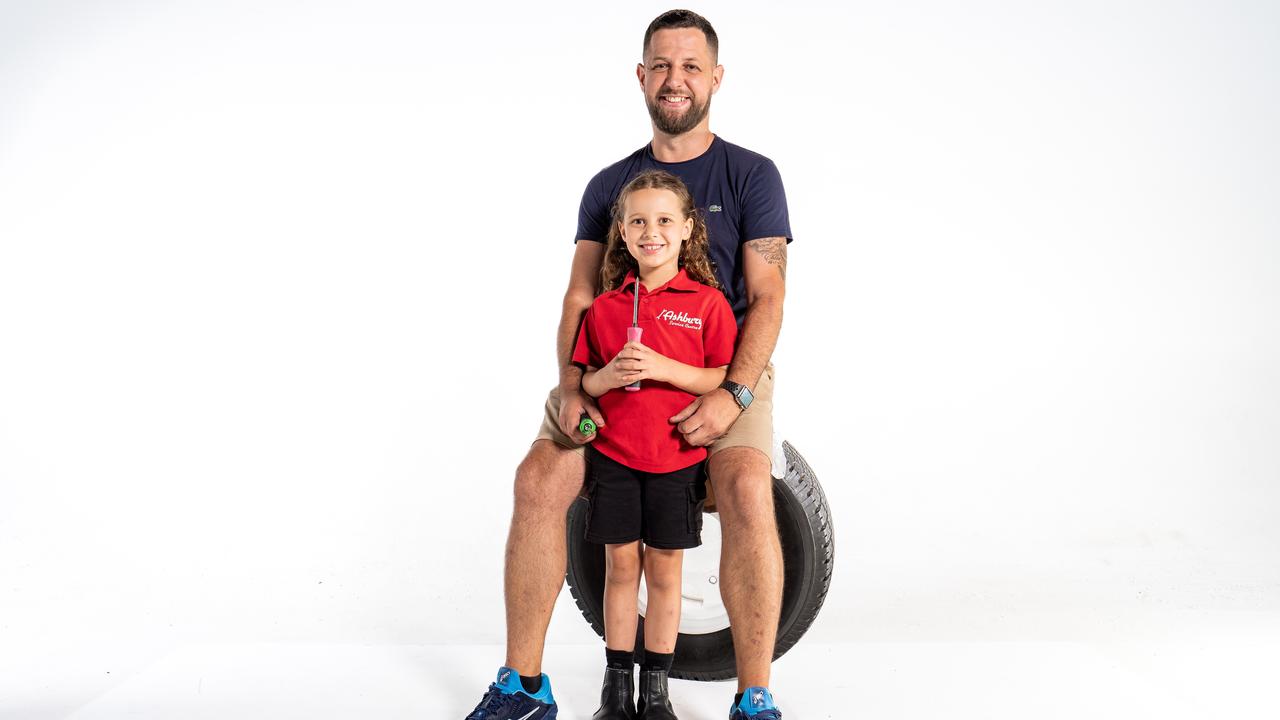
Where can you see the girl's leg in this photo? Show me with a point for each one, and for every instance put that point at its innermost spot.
(662, 617)
(621, 585)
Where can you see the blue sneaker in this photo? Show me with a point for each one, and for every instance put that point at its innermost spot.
(756, 704)
(507, 699)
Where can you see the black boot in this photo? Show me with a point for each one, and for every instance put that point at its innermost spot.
(617, 696)
(654, 703)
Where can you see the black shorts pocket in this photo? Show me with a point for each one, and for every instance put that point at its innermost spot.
(588, 494)
(697, 500)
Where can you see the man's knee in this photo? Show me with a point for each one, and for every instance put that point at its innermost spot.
(548, 479)
(743, 488)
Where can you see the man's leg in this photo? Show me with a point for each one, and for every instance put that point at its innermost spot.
(547, 482)
(750, 558)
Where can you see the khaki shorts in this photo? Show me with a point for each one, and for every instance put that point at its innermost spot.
(754, 428)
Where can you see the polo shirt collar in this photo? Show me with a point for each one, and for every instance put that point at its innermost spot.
(681, 282)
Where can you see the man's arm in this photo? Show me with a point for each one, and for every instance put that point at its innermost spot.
(764, 268)
(584, 279)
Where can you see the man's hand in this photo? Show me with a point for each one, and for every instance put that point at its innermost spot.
(707, 418)
(573, 403)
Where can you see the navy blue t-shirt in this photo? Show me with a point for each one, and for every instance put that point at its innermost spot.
(738, 192)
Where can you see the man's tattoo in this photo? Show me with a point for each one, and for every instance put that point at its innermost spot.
(773, 250)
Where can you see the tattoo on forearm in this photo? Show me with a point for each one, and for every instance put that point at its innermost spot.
(773, 250)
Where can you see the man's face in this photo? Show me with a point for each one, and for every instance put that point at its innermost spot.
(678, 77)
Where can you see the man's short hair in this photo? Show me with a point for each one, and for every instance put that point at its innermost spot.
(673, 19)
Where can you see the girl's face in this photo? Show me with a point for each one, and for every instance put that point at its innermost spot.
(654, 228)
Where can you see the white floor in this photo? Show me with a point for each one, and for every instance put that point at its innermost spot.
(1193, 678)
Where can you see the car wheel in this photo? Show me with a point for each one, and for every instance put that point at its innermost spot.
(704, 650)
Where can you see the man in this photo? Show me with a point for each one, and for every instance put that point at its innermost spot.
(741, 196)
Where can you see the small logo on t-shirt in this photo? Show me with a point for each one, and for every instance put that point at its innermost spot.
(714, 208)
(680, 319)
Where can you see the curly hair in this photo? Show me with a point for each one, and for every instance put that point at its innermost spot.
(695, 253)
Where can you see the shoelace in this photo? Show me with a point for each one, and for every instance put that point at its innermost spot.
(493, 701)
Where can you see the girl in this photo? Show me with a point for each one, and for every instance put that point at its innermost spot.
(645, 484)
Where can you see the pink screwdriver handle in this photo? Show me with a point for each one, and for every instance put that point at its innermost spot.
(633, 335)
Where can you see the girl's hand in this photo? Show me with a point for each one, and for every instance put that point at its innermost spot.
(636, 361)
(618, 372)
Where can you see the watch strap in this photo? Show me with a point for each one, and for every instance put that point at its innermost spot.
(738, 391)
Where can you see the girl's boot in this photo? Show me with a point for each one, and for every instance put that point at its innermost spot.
(654, 703)
(617, 696)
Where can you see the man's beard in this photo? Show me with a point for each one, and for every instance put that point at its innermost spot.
(681, 124)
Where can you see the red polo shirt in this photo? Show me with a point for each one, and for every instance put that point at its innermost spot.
(683, 320)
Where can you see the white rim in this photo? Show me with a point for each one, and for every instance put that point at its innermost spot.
(701, 609)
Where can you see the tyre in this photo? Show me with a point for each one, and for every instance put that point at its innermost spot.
(704, 650)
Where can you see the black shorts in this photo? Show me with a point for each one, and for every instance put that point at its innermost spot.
(662, 509)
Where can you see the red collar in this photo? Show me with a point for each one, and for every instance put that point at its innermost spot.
(681, 282)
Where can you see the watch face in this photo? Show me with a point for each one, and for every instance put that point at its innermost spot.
(746, 397)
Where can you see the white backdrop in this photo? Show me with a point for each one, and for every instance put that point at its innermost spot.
(279, 283)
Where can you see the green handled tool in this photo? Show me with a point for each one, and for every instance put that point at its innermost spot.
(586, 425)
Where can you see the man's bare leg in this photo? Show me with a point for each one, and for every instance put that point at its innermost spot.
(547, 481)
(750, 558)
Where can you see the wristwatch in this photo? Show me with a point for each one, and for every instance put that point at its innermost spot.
(741, 394)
